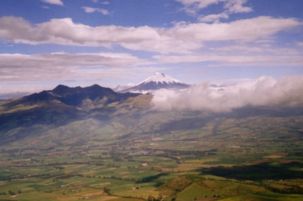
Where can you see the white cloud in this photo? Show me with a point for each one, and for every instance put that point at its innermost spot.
(264, 91)
(62, 59)
(95, 10)
(237, 6)
(192, 6)
(240, 55)
(184, 37)
(230, 7)
(54, 2)
(23, 72)
(240, 30)
(36, 72)
(213, 17)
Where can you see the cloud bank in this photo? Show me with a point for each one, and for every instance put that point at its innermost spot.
(264, 91)
(180, 38)
(18, 69)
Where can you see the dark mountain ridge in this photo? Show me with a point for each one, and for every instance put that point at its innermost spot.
(72, 96)
(58, 106)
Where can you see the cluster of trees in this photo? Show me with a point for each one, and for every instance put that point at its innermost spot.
(10, 192)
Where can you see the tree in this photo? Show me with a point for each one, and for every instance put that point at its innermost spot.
(10, 192)
(106, 190)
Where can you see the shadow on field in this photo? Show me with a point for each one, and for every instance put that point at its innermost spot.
(151, 178)
(261, 171)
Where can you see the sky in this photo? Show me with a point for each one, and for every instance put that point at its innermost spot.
(44, 43)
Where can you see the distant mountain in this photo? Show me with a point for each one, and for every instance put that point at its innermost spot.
(61, 105)
(73, 96)
(155, 82)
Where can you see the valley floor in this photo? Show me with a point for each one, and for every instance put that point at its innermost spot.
(223, 159)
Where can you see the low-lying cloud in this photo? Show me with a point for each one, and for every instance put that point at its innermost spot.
(263, 91)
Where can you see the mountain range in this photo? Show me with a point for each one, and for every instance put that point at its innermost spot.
(63, 105)
(59, 106)
(90, 143)
(73, 96)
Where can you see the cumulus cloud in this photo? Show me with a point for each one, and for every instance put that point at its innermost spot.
(184, 37)
(264, 91)
(103, 11)
(54, 2)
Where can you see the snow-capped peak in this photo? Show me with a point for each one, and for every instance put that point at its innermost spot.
(155, 82)
(160, 78)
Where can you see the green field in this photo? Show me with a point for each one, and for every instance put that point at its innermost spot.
(147, 155)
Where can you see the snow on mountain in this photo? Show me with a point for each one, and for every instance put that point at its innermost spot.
(155, 82)
(160, 78)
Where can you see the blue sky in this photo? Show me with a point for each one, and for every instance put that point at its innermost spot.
(110, 42)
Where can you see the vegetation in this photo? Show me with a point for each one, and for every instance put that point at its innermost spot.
(136, 155)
